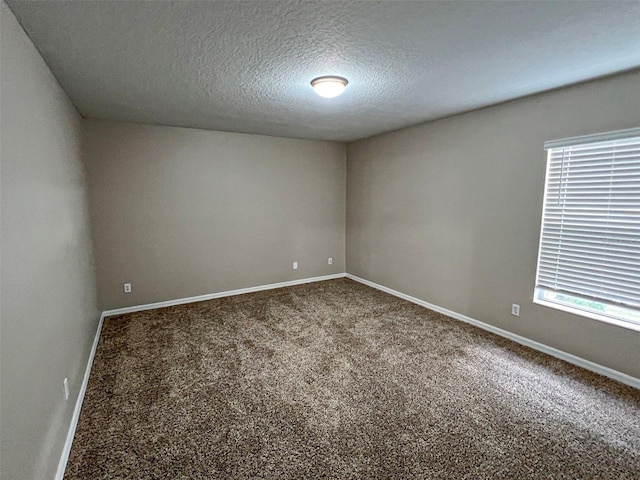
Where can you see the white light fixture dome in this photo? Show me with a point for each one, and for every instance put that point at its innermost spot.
(329, 87)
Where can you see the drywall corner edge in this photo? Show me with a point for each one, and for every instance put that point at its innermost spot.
(541, 347)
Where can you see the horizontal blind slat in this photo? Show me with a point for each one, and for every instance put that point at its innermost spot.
(619, 260)
(628, 165)
(623, 277)
(623, 270)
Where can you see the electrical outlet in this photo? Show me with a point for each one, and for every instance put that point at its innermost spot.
(66, 389)
(515, 310)
(330, 261)
(295, 265)
(127, 288)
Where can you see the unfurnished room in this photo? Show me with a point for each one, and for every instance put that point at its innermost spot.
(308, 239)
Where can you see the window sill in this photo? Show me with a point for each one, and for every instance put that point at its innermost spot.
(591, 315)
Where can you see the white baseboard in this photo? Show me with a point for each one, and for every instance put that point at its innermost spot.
(62, 465)
(211, 296)
(554, 352)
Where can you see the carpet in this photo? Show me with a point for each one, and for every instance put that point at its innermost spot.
(337, 380)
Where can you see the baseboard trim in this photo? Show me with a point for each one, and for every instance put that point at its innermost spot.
(211, 296)
(554, 352)
(64, 457)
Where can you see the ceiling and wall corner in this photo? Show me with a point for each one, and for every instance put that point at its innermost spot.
(246, 66)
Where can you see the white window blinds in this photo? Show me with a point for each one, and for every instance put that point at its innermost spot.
(589, 256)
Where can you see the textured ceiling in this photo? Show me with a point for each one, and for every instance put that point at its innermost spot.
(246, 66)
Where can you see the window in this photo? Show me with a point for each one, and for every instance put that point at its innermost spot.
(589, 255)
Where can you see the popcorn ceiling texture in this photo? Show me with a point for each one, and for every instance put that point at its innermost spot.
(338, 380)
(245, 66)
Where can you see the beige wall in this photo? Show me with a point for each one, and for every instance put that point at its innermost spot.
(449, 212)
(182, 212)
(49, 315)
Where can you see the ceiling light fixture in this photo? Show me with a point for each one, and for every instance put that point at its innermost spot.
(329, 87)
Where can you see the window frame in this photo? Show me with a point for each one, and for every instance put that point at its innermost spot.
(542, 294)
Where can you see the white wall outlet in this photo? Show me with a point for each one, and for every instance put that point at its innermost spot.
(330, 261)
(295, 265)
(66, 389)
(127, 288)
(515, 309)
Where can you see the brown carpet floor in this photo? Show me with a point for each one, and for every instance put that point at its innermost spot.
(337, 380)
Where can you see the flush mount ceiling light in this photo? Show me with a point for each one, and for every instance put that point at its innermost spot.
(329, 87)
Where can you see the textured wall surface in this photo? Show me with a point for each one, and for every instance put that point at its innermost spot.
(449, 212)
(49, 315)
(246, 65)
(182, 212)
